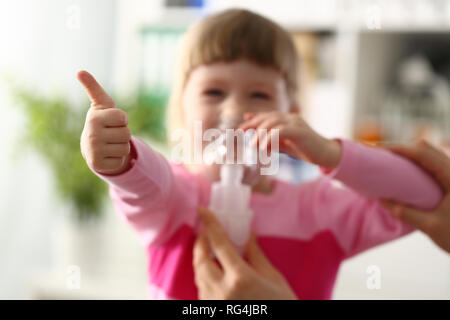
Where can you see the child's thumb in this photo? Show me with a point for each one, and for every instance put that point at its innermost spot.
(98, 96)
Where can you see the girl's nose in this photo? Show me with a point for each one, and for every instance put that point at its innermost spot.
(232, 113)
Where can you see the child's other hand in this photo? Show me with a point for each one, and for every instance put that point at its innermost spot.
(105, 141)
(296, 137)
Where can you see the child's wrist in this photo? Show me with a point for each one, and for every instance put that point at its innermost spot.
(332, 154)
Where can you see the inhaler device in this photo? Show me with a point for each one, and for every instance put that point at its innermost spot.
(230, 199)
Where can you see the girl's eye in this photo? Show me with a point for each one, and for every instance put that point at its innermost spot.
(214, 92)
(260, 95)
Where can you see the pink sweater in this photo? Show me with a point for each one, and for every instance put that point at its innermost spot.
(305, 230)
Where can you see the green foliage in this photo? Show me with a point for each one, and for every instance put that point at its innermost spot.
(147, 115)
(53, 129)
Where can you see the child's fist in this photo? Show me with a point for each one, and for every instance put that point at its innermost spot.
(105, 141)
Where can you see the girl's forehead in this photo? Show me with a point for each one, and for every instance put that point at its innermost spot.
(238, 71)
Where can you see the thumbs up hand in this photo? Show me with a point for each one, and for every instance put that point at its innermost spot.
(105, 141)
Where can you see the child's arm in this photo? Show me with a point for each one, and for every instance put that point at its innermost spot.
(142, 184)
(380, 174)
(375, 173)
(145, 194)
(356, 217)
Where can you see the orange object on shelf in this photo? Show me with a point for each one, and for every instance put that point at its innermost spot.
(369, 132)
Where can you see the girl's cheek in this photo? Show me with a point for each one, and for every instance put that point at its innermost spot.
(206, 119)
(209, 121)
(209, 115)
(194, 111)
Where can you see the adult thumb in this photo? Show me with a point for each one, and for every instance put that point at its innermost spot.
(257, 259)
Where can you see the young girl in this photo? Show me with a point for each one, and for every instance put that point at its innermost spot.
(239, 65)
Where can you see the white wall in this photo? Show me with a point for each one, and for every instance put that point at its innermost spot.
(40, 50)
(410, 268)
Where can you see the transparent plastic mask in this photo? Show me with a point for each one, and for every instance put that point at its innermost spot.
(233, 146)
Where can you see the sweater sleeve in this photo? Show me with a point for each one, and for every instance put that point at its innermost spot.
(353, 212)
(380, 174)
(143, 195)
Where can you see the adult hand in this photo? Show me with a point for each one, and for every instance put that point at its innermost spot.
(435, 223)
(231, 277)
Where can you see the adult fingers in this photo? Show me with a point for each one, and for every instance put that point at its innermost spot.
(256, 257)
(260, 263)
(418, 219)
(99, 98)
(205, 267)
(219, 242)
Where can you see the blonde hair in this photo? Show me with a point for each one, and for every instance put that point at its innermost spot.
(228, 36)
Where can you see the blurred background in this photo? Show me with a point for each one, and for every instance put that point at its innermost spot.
(373, 71)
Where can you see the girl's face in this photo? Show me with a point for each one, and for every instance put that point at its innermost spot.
(221, 93)
(226, 91)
